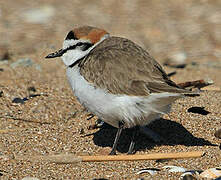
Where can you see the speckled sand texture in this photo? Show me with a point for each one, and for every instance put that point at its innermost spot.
(49, 120)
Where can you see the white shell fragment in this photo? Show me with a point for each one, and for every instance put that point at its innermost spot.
(211, 173)
(175, 168)
(39, 15)
(30, 178)
(151, 171)
(177, 60)
(189, 175)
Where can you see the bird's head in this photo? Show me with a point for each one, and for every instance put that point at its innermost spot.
(78, 43)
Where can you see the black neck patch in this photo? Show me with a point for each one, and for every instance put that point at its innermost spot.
(76, 62)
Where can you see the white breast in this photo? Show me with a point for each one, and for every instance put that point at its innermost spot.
(132, 110)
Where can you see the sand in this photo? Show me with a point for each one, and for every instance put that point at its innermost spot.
(46, 118)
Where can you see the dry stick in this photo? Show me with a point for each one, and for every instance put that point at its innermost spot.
(21, 119)
(196, 84)
(70, 158)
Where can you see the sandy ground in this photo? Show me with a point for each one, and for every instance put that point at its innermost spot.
(49, 120)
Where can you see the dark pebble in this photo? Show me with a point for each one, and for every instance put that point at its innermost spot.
(189, 177)
(198, 110)
(34, 95)
(32, 88)
(81, 131)
(18, 101)
(1, 93)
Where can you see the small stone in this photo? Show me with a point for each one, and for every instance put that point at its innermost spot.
(18, 101)
(151, 171)
(1, 93)
(217, 134)
(177, 60)
(4, 54)
(188, 176)
(211, 173)
(22, 62)
(39, 15)
(31, 89)
(81, 131)
(175, 168)
(37, 67)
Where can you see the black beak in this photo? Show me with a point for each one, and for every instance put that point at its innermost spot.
(58, 53)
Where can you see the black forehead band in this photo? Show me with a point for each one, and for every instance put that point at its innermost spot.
(71, 35)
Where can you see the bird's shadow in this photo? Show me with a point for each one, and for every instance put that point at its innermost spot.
(172, 132)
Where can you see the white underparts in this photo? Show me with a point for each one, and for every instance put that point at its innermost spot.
(132, 110)
(73, 55)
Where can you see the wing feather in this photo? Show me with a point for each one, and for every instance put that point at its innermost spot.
(122, 67)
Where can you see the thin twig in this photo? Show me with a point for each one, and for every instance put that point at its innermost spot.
(72, 158)
(21, 119)
(196, 84)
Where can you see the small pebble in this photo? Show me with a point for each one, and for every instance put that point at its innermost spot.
(31, 96)
(22, 62)
(31, 88)
(217, 134)
(177, 60)
(211, 173)
(18, 101)
(151, 171)
(175, 168)
(188, 176)
(39, 15)
(4, 54)
(1, 93)
(81, 131)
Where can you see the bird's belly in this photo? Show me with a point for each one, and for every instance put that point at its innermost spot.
(132, 110)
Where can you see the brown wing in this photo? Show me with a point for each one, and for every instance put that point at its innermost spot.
(122, 67)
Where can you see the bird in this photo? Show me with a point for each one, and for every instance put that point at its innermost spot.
(117, 80)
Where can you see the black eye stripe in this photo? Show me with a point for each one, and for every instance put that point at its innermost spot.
(79, 44)
(85, 45)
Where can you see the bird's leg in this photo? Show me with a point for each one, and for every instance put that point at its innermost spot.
(113, 151)
(135, 132)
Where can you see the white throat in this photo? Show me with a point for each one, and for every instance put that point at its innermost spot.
(72, 56)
